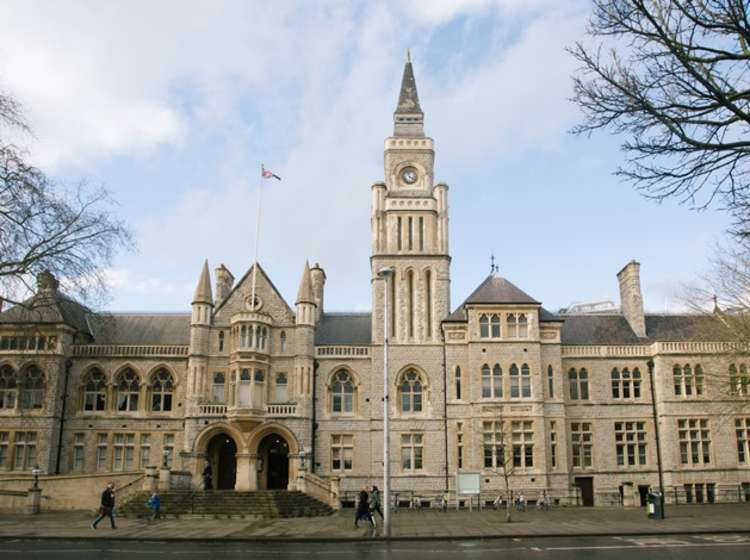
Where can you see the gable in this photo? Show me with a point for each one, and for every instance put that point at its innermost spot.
(273, 303)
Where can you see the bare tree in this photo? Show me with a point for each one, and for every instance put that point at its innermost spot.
(672, 76)
(44, 226)
(503, 461)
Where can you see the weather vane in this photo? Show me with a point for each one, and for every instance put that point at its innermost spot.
(493, 267)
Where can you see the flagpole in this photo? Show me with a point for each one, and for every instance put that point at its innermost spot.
(257, 240)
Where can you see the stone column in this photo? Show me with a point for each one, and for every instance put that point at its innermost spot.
(34, 501)
(151, 481)
(165, 479)
(247, 472)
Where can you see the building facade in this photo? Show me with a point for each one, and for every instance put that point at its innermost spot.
(262, 390)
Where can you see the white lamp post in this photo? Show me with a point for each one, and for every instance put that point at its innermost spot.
(386, 273)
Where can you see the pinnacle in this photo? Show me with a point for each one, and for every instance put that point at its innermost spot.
(203, 289)
(305, 292)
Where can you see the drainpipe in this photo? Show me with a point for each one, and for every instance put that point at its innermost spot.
(68, 365)
(650, 365)
(314, 424)
(445, 407)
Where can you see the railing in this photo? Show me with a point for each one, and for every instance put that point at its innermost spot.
(643, 350)
(286, 409)
(344, 351)
(212, 409)
(694, 347)
(324, 490)
(129, 350)
(130, 488)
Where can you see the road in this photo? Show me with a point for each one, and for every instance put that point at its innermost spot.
(691, 547)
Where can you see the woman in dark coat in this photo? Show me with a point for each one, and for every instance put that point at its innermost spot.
(363, 509)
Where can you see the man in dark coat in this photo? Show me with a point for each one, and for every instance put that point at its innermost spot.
(363, 509)
(107, 506)
(207, 477)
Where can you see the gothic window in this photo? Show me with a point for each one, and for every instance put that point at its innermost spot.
(428, 301)
(578, 384)
(217, 391)
(243, 395)
(512, 326)
(8, 387)
(411, 233)
(410, 392)
(458, 382)
(32, 388)
(128, 389)
(492, 382)
(410, 279)
(95, 391)
(523, 326)
(243, 336)
(162, 388)
(282, 342)
(281, 385)
(495, 326)
(484, 326)
(398, 227)
(221, 341)
(421, 233)
(260, 377)
(263, 338)
(515, 383)
(525, 381)
(342, 392)
(258, 337)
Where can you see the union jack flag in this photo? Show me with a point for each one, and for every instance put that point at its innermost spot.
(267, 173)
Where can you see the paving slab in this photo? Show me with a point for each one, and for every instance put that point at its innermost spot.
(431, 524)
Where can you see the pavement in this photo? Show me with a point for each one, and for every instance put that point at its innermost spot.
(406, 525)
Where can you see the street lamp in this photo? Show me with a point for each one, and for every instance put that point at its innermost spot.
(35, 472)
(385, 273)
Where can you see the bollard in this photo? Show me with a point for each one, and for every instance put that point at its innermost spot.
(34, 501)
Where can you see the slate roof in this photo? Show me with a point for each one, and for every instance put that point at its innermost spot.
(496, 289)
(614, 329)
(344, 328)
(408, 99)
(49, 307)
(133, 328)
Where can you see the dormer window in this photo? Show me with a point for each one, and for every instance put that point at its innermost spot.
(489, 326)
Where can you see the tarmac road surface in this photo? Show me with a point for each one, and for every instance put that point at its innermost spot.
(662, 547)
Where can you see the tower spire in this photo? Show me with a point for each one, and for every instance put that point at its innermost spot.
(408, 119)
(203, 289)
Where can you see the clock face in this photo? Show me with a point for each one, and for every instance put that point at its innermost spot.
(409, 175)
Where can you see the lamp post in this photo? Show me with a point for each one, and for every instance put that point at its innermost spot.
(386, 273)
(650, 365)
(35, 472)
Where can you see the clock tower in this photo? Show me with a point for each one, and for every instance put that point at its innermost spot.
(410, 230)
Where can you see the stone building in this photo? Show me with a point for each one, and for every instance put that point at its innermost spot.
(265, 390)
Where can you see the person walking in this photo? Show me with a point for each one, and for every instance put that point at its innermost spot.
(444, 502)
(154, 503)
(106, 509)
(363, 509)
(207, 476)
(375, 502)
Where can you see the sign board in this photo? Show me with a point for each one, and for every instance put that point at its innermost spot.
(467, 483)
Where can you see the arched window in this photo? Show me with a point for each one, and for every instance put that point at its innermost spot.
(410, 301)
(525, 381)
(162, 387)
(342, 392)
(677, 377)
(733, 380)
(495, 324)
(523, 326)
(282, 342)
(95, 391)
(8, 387)
(243, 396)
(698, 379)
(578, 384)
(260, 377)
(221, 341)
(497, 381)
(515, 382)
(615, 375)
(258, 337)
(243, 336)
(217, 390)
(458, 382)
(411, 392)
(263, 338)
(127, 391)
(637, 383)
(428, 293)
(484, 326)
(512, 326)
(486, 382)
(281, 385)
(32, 388)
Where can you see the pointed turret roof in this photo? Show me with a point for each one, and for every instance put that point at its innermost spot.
(494, 290)
(408, 119)
(203, 289)
(408, 99)
(305, 292)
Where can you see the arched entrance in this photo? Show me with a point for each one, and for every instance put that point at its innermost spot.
(273, 451)
(221, 453)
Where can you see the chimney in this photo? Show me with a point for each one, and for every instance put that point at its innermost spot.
(318, 288)
(631, 299)
(224, 283)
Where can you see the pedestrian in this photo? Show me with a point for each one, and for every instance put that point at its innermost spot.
(107, 507)
(521, 503)
(363, 509)
(154, 503)
(375, 502)
(207, 477)
(498, 503)
(444, 502)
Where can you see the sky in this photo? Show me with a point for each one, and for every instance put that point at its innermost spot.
(173, 106)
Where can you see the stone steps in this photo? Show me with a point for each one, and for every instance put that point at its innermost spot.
(228, 503)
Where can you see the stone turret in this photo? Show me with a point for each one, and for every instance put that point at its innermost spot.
(203, 301)
(224, 283)
(305, 302)
(318, 289)
(631, 299)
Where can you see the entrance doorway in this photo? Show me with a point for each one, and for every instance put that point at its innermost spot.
(221, 453)
(274, 452)
(643, 493)
(586, 484)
